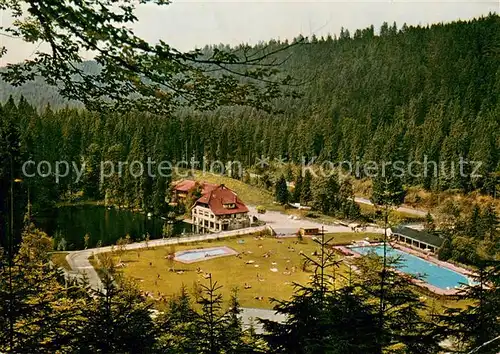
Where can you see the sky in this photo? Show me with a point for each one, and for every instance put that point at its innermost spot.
(186, 24)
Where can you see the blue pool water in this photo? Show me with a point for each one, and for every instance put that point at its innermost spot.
(200, 254)
(431, 273)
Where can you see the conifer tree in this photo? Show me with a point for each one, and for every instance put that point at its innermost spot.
(37, 313)
(388, 193)
(210, 323)
(281, 191)
(476, 328)
(402, 323)
(306, 193)
(176, 327)
(115, 319)
(320, 316)
(297, 191)
(326, 197)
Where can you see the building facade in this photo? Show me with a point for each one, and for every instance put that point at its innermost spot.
(219, 209)
(417, 239)
(181, 189)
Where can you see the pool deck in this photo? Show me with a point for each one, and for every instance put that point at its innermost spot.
(228, 252)
(346, 250)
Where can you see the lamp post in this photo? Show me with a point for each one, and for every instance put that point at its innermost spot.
(11, 248)
(11, 233)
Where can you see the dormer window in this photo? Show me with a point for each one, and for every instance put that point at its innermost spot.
(229, 205)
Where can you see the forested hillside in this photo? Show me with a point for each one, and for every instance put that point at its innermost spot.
(412, 93)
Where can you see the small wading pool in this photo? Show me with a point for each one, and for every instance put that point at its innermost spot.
(431, 273)
(202, 254)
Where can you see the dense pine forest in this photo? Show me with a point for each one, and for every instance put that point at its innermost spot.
(408, 93)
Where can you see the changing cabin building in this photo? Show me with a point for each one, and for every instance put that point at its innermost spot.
(416, 238)
(219, 209)
(309, 231)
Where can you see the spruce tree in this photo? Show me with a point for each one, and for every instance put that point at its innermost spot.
(116, 319)
(210, 323)
(176, 326)
(37, 312)
(476, 328)
(402, 323)
(281, 191)
(320, 317)
(306, 193)
(326, 196)
(388, 193)
(297, 191)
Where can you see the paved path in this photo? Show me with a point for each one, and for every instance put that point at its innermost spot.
(249, 317)
(403, 209)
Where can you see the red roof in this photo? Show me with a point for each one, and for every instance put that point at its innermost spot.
(187, 185)
(218, 197)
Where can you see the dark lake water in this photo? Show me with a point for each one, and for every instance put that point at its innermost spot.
(68, 226)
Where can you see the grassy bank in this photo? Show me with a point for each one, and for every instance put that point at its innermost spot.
(150, 269)
(249, 194)
(59, 259)
(78, 203)
(395, 216)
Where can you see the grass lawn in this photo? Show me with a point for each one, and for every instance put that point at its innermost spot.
(231, 271)
(83, 202)
(59, 259)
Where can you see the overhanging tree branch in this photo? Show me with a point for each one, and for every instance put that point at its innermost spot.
(133, 73)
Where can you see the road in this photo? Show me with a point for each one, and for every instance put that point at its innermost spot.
(249, 317)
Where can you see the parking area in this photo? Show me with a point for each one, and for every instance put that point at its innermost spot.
(283, 224)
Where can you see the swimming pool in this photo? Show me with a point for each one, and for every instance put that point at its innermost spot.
(431, 273)
(203, 254)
